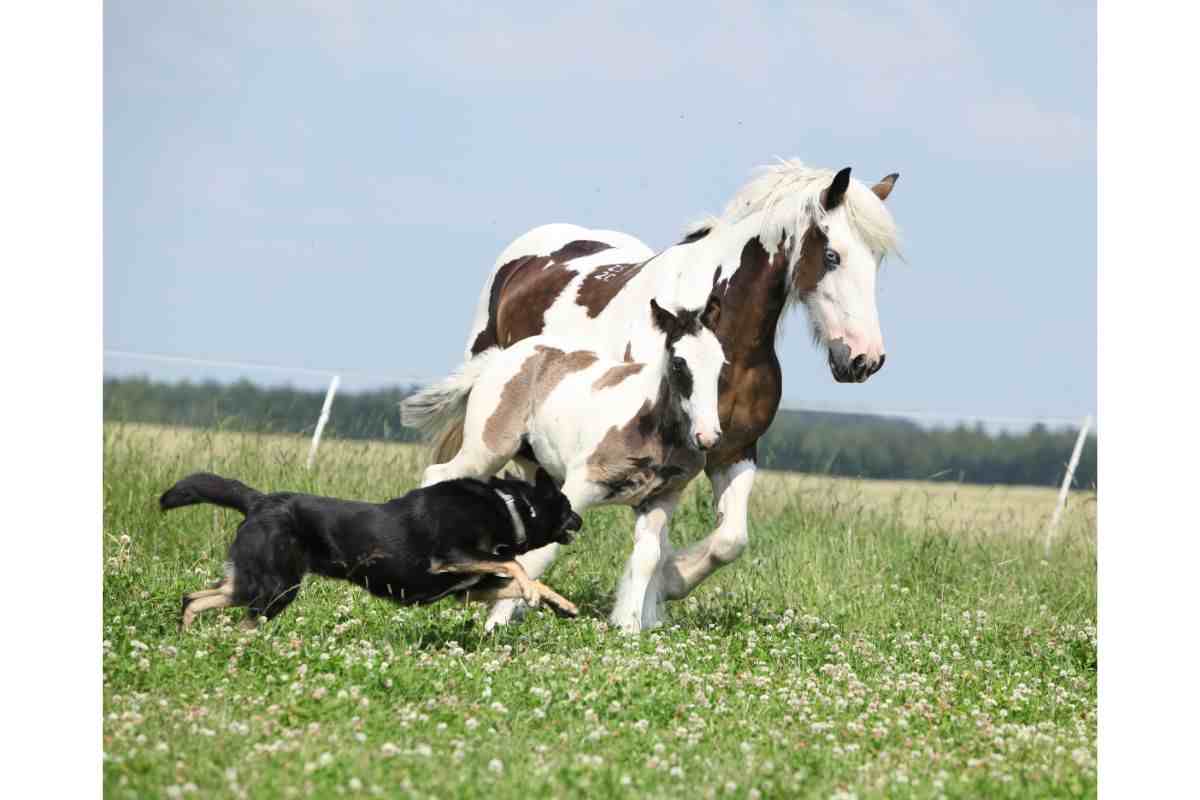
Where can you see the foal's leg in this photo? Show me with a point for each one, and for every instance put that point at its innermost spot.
(636, 608)
(582, 494)
(687, 568)
(479, 456)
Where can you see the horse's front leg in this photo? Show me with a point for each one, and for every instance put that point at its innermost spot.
(686, 569)
(637, 607)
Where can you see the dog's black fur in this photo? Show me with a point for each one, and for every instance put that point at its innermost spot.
(432, 542)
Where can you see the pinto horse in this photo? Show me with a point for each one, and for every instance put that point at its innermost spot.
(612, 432)
(794, 234)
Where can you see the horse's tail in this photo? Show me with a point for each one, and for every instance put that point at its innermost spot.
(439, 410)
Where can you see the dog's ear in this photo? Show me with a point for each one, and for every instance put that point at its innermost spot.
(544, 483)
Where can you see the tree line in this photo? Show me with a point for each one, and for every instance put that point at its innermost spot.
(852, 445)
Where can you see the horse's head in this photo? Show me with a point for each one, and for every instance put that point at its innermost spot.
(694, 358)
(835, 275)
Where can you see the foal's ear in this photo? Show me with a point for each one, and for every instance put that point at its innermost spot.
(885, 185)
(664, 320)
(711, 315)
(832, 197)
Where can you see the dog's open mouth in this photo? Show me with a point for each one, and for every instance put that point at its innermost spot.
(572, 524)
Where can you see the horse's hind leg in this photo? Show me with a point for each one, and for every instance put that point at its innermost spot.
(479, 456)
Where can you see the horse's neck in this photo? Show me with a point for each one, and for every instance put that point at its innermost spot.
(751, 267)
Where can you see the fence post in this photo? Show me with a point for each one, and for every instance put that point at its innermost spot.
(316, 440)
(1066, 484)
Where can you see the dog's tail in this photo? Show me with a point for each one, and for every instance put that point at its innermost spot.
(438, 410)
(204, 487)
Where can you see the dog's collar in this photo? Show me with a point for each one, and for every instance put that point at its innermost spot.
(518, 524)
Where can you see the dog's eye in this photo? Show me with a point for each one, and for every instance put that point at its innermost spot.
(832, 259)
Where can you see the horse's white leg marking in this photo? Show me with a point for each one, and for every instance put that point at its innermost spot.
(686, 569)
(649, 535)
(582, 494)
(654, 608)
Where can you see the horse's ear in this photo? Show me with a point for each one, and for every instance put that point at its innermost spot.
(712, 312)
(885, 185)
(664, 320)
(832, 197)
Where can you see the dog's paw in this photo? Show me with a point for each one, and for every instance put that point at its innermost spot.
(557, 602)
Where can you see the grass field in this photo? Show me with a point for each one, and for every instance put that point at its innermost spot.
(877, 639)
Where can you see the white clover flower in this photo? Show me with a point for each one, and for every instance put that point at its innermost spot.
(496, 766)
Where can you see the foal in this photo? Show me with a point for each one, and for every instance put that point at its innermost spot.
(613, 432)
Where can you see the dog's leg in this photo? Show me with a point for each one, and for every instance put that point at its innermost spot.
(470, 565)
(187, 598)
(204, 604)
(583, 494)
(511, 591)
(220, 596)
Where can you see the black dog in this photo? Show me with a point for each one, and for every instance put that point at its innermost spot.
(453, 538)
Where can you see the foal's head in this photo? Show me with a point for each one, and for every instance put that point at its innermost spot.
(692, 368)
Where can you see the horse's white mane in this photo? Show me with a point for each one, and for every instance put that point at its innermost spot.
(790, 192)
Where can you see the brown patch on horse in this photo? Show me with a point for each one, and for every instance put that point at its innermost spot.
(753, 300)
(629, 352)
(600, 287)
(634, 460)
(506, 420)
(529, 293)
(810, 268)
(538, 376)
(578, 249)
(524, 288)
(615, 375)
(508, 272)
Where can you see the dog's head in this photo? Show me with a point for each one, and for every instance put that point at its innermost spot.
(545, 511)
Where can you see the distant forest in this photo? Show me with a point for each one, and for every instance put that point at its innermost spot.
(852, 445)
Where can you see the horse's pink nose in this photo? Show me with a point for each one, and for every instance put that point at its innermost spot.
(707, 441)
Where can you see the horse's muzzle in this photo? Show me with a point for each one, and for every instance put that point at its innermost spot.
(851, 370)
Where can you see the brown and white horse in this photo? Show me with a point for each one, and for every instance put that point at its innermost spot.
(793, 234)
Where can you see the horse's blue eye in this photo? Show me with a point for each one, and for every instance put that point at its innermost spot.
(832, 259)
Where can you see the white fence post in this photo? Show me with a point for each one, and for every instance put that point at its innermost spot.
(316, 440)
(1066, 484)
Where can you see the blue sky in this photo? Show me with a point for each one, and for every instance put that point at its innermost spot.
(327, 184)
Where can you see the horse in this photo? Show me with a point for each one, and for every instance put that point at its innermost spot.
(793, 235)
(611, 431)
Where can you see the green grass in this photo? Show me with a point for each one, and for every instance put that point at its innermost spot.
(845, 654)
